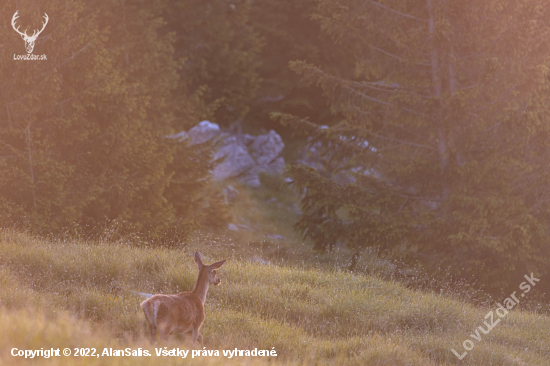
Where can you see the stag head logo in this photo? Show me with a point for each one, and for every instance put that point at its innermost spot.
(29, 40)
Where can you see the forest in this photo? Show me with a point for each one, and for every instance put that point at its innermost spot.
(428, 121)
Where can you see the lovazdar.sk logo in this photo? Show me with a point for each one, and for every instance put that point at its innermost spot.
(29, 40)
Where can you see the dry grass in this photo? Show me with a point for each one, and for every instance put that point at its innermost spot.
(57, 294)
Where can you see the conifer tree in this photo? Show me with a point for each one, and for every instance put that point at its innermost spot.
(443, 136)
(290, 34)
(218, 47)
(83, 134)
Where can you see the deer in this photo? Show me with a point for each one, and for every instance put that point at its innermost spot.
(29, 41)
(184, 312)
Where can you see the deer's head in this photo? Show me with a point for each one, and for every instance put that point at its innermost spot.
(210, 270)
(29, 40)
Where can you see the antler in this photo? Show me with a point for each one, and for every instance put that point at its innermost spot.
(35, 35)
(15, 16)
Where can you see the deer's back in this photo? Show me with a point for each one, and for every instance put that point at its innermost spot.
(179, 310)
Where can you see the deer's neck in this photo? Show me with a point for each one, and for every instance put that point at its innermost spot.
(201, 288)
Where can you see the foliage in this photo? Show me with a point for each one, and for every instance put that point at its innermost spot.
(83, 134)
(195, 199)
(219, 49)
(442, 139)
(291, 34)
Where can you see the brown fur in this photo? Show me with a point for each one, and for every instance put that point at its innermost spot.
(184, 312)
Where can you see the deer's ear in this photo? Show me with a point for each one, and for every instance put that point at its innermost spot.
(217, 264)
(198, 259)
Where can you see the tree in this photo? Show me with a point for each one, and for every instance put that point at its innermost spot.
(83, 134)
(219, 48)
(442, 136)
(290, 34)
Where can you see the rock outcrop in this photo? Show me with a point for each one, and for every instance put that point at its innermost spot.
(242, 156)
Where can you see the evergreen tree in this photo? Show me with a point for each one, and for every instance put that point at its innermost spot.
(291, 34)
(83, 134)
(443, 135)
(218, 47)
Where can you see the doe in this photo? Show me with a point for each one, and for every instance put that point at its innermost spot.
(184, 312)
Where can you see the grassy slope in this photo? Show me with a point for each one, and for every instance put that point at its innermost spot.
(57, 294)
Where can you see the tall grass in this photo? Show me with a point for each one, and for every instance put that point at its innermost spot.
(62, 294)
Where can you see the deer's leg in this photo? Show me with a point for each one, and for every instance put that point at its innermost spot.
(152, 332)
(195, 334)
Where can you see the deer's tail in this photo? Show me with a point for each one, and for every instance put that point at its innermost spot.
(150, 311)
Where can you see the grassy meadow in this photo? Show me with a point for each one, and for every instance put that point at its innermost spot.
(59, 293)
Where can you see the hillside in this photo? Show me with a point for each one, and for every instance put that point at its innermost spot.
(60, 294)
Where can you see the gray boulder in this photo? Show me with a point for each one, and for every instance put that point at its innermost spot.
(242, 156)
(248, 139)
(203, 132)
(274, 167)
(237, 162)
(266, 148)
